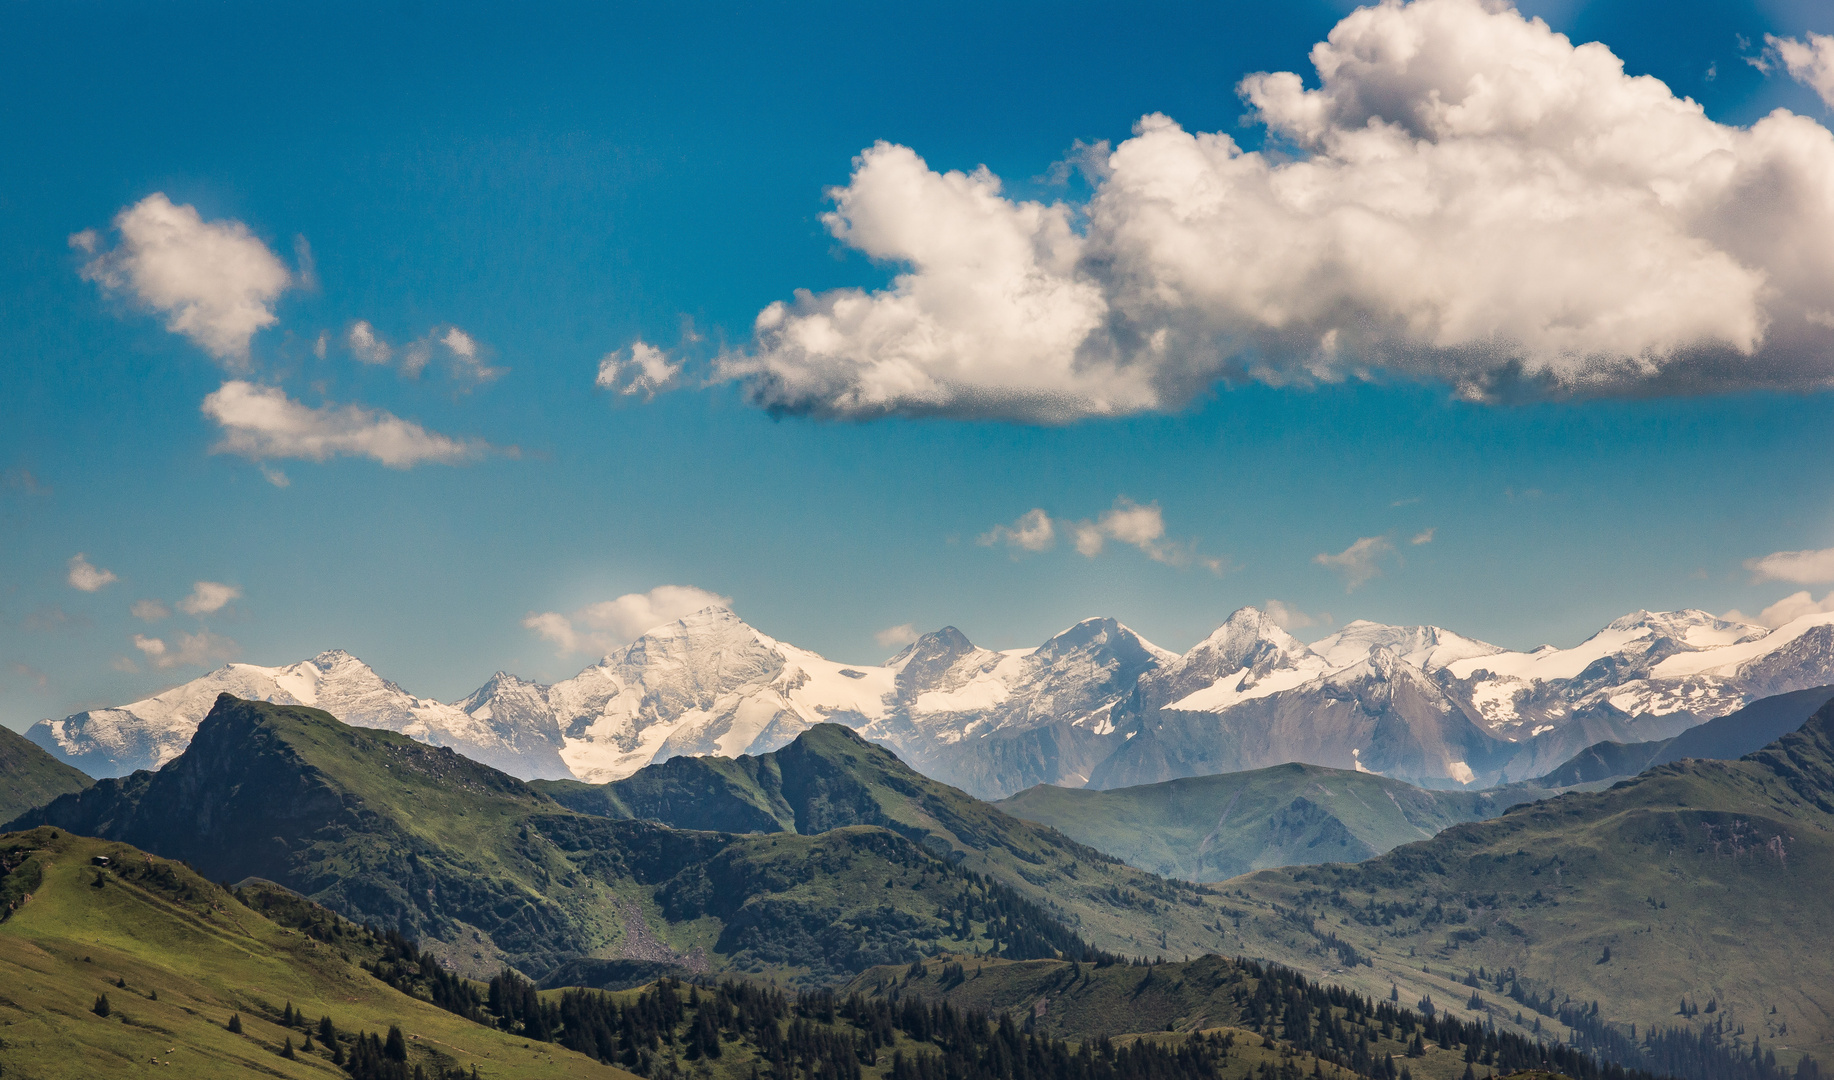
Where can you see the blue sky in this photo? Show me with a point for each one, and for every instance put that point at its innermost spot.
(562, 184)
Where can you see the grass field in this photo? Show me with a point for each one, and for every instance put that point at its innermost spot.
(190, 956)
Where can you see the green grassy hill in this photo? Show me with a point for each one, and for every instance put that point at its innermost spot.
(30, 777)
(1698, 882)
(176, 957)
(830, 778)
(1209, 828)
(488, 871)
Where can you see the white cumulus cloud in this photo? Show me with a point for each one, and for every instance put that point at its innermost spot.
(1788, 609)
(215, 281)
(1287, 617)
(1033, 531)
(1810, 62)
(599, 628)
(646, 372)
(1425, 536)
(261, 422)
(1359, 562)
(1796, 567)
(366, 346)
(895, 636)
(192, 650)
(1464, 196)
(85, 576)
(208, 597)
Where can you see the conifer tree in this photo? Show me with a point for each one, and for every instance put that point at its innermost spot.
(235, 1023)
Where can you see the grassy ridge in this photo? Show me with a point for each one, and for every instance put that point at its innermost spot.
(831, 778)
(1210, 828)
(191, 955)
(1698, 881)
(30, 777)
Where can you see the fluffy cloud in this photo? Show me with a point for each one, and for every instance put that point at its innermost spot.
(192, 650)
(464, 355)
(1791, 607)
(1033, 531)
(1810, 62)
(1466, 196)
(895, 636)
(1287, 617)
(149, 610)
(208, 597)
(647, 372)
(1423, 537)
(87, 577)
(1796, 567)
(262, 422)
(215, 281)
(1359, 562)
(1127, 522)
(366, 346)
(599, 628)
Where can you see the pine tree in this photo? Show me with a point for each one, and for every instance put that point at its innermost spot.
(100, 1008)
(286, 1049)
(235, 1023)
(397, 1047)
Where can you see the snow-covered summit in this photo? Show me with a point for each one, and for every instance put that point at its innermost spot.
(148, 733)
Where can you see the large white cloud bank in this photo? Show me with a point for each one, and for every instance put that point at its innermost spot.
(1465, 196)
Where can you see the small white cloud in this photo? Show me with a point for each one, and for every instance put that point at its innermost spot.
(261, 422)
(322, 345)
(599, 628)
(895, 636)
(646, 373)
(1088, 538)
(1423, 537)
(125, 664)
(366, 346)
(208, 597)
(1287, 617)
(1359, 562)
(192, 650)
(215, 281)
(37, 678)
(1796, 567)
(87, 577)
(274, 476)
(1810, 62)
(1033, 531)
(1790, 608)
(149, 610)
(1143, 527)
(467, 357)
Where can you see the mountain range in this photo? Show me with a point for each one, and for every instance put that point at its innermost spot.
(1096, 705)
(488, 870)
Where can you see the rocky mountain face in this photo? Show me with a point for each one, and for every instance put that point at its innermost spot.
(148, 733)
(1096, 705)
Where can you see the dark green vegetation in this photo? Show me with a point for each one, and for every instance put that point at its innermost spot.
(485, 870)
(30, 777)
(1209, 828)
(1355, 1032)
(105, 970)
(1733, 735)
(1693, 896)
(830, 778)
